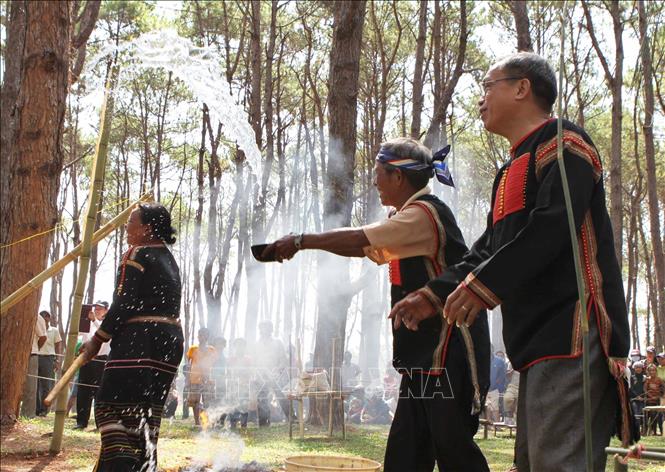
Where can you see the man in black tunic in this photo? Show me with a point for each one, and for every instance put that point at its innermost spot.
(445, 370)
(524, 263)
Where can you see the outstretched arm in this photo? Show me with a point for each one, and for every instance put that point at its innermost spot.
(348, 242)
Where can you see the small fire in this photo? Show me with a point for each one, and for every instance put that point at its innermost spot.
(204, 420)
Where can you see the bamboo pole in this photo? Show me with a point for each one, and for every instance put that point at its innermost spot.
(61, 263)
(64, 380)
(97, 180)
(646, 453)
(586, 377)
(333, 379)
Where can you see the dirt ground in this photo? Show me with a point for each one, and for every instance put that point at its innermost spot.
(25, 449)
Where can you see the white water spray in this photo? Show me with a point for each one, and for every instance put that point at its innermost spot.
(200, 69)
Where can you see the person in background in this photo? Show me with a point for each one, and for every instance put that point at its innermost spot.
(90, 375)
(29, 398)
(654, 389)
(636, 393)
(74, 389)
(48, 364)
(239, 392)
(356, 407)
(651, 357)
(219, 370)
(660, 358)
(185, 388)
(498, 372)
(350, 371)
(635, 356)
(272, 374)
(511, 396)
(201, 359)
(376, 410)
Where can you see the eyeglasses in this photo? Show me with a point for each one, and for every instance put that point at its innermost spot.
(487, 84)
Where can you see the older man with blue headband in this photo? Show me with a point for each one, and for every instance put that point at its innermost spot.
(445, 372)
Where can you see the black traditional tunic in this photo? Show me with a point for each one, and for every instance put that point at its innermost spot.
(445, 371)
(524, 260)
(146, 349)
(425, 350)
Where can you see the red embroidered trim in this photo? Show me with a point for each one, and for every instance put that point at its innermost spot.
(445, 346)
(395, 273)
(547, 358)
(123, 268)
(437, 267)
(475, 295)
(497, 212)
(511, 194)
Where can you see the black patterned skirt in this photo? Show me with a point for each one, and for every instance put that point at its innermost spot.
(142, 364)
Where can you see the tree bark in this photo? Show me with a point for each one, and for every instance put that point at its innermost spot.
(445, 93)
(521, 16)
(650, 157)
(349, 17)
(255, 270)
(615, 84)
(418, 77)
(33, 165)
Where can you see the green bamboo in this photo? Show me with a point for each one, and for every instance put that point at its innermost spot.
(61, 263)
(97, 174)
(588, 442)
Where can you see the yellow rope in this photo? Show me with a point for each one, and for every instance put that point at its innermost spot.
(60, 225)
(32, 236)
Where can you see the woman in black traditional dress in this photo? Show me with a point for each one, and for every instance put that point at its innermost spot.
(146, 344)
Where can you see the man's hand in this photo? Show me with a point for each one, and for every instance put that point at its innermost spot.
(282, 249)
(462, 307)
(414, 308)
(90, 348)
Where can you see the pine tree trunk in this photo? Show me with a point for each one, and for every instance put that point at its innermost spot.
(521, 16)
(650, 157)
(33, 165)
(418, 77)
(349, 17)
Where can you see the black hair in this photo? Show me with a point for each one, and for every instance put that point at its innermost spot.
(44, 313)
(158, 218)
(539, 72)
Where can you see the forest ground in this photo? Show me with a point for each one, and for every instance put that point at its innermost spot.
(25, 448)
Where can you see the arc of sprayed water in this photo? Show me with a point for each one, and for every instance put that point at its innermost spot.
(199, 68)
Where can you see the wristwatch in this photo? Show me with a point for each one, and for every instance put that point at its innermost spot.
(298, 241)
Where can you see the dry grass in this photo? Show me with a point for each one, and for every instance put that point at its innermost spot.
(25, 448)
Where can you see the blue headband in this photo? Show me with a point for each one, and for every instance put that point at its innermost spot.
(438, 165)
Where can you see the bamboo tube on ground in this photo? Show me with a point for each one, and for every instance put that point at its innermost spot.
(61, 263)
(646, 454)
(97, 177)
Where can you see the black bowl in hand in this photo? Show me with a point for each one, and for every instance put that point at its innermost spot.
(257, 252)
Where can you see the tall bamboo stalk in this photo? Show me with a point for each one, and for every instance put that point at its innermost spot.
(586, 385)
(61, 263)
(99, 165)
